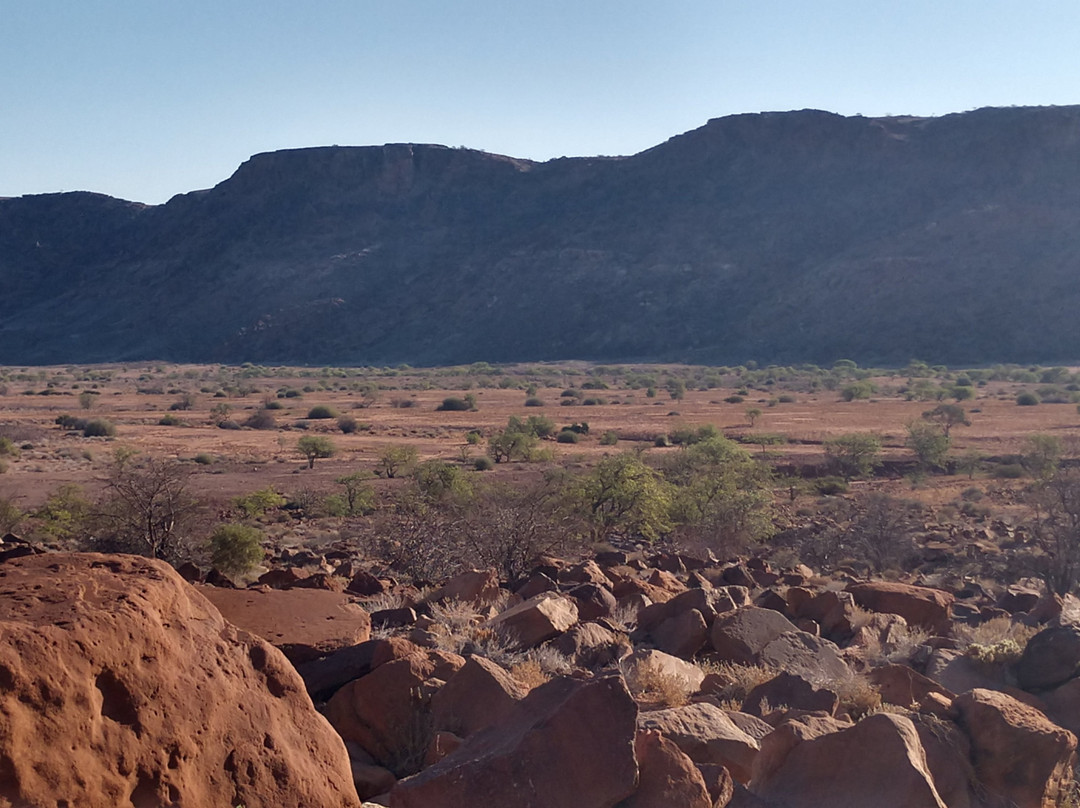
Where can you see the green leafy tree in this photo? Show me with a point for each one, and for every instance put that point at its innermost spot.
(623, 496)
(720, 495)
(359, 495)
(947, 416)
(258, 502)
(752, 414)
(853, 455)
(929, 443)
(1043, 456)
(236, 549)
(396, 460)
(516, 442)
(438, 481)
(314, 447)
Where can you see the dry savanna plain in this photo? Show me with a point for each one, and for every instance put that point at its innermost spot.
(198, 415)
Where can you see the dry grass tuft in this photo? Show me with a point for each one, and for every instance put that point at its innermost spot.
(735, 681)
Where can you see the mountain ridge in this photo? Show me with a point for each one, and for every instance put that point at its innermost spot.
(781, 237)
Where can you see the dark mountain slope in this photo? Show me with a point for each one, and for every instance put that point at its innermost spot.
(800, 236)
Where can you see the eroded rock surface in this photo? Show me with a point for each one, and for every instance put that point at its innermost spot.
(120, 685)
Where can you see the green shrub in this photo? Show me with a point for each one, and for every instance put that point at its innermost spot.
(1027, 399)
(7, 447)
(533, 401)
(204, 459)
(483, 463)
(609, 438)
(228, 423)
(831, 486)
(453, 404)
(734, 400)
(236, 549)
(99, 428)
(273, 404)
(321, 412)
(169, 420)
(261, 420)
(259, 502)
(567, 436)
(348, 424)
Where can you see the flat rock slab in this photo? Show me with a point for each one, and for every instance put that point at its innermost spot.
(304, 624)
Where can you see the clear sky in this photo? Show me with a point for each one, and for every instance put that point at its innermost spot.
(143, 99)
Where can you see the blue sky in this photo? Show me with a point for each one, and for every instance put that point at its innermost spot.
(143, 99)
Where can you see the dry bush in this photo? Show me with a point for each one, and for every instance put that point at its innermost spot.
(736, 681)
(650, 683)
(529, 673)
(999, 641)
(858, 698)
(906, 640)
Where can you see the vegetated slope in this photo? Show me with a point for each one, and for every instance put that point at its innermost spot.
(800, 236)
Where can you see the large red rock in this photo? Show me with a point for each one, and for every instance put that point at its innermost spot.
(572, 744)
(707, 735)
(120, 685)
(1019, 754)
(919, 605)
(479, 695)
(537, 620)
(666, 776)
(741, 635)
(878, 762)
(386, 712)
(304, 623)
(1050, 658)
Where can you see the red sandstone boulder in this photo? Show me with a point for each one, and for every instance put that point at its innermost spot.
(666, 776)
(385, 712)
(878, 762)
(572, 744)
(304, 623)
(120, 685)
(919, 605)
(1019, 754)
(741, 635)
(537, 620)
(479, 695)
(707, 735)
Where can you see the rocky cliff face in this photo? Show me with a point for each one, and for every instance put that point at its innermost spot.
(801, 236)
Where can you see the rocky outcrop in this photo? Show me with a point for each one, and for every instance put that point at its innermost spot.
(571, 743)
(120, 685)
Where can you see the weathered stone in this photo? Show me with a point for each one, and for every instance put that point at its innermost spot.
(741, 635)
(878, 762)
(475, 587)
(571, 745)
(814, 658)
(958, 673)
(682, 635)
(1019, 754)
(325, 675)
(479, 695)
(384, 712)
(646, 668)
(121, 685)
(919, 605)
(791, 691)
(900, 685)
(304, 623)
(536, 620)
(591, 645)
(666, 776)
(365, 584)
(707, 735)
(1051, 657)
(592, 601)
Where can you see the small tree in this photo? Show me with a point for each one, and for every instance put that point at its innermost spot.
(752, 414)
(947, 416)
(396, 460)
(929, 443)
(86, 399)
(624, 496)
(854, 455)
(1043, 456)
(359, 495)
(235, 548)
(313, 447)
